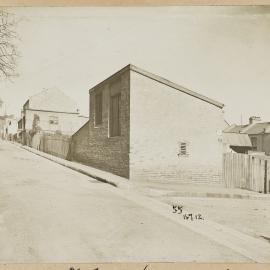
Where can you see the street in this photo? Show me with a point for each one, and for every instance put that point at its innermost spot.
(49, 213)
(251, 217)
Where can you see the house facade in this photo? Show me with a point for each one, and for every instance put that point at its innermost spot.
(144, 127)
(258, 133)
(236, 142)
(52, 111)
(2, 108)
(8, 127)
(8, 123)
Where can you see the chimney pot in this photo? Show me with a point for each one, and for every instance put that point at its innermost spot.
(254, 119)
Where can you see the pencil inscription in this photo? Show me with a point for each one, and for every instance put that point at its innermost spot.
(178, 209)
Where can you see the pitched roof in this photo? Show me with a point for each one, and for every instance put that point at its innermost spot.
(259, 128)
(256, 128)
(53, 100)
(163, 81)
(236, 139)
(235, 128)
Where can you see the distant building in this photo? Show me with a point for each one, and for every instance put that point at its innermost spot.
(144, 127)
(236, 142)
(2, 108)
(52, 111)
(2, 127)
(8, 127)
(8, 123)
(256, 133)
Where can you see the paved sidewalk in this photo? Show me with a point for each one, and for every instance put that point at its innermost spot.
(154, 189)
(99, 175)
(253, 248)
(157, 189)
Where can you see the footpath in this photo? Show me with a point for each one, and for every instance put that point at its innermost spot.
(154, 189)
(255, 249)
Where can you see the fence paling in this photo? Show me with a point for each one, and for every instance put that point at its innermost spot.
(268, 178)
(245, 171)
(57, 145)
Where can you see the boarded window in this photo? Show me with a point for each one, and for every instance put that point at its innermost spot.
(98, 109)
(183, 149)
(115, 126)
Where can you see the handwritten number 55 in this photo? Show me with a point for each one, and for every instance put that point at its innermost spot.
(177, 209)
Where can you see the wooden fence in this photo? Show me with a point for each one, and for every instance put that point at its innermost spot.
(54, 144)
(247, 172)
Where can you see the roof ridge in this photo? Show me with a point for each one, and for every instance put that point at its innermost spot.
(161, 80)
(229, 128)
(175, 86)
(244, 130)
(262, 123)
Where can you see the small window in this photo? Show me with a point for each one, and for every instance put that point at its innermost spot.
(115, 125)
(254, 143)
(98, 109)
(183, 149)
(53, 120)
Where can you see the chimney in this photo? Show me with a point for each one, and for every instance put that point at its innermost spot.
(254, 119)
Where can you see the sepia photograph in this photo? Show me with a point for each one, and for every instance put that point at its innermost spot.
(135, 134)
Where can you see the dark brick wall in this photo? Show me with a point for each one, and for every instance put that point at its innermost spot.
(79, 144)
(92, 144)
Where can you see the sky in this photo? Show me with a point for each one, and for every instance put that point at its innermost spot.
(220, 52)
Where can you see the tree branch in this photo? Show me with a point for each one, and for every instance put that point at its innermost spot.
(8, 51)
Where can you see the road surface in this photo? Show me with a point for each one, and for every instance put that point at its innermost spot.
(49, 213)
(251, 217)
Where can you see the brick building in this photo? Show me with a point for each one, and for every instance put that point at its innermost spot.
(144, 127)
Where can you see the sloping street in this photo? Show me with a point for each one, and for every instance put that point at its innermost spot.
(49, 213)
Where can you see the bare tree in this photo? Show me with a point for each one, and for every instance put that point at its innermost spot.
(8, 51)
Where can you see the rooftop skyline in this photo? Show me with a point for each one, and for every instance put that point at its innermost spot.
(219, 52)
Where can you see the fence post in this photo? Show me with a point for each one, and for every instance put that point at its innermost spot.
(249, 173)
(265, 176)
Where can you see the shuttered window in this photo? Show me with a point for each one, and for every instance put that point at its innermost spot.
(183, 149)
(98, 109)
(115, 126)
